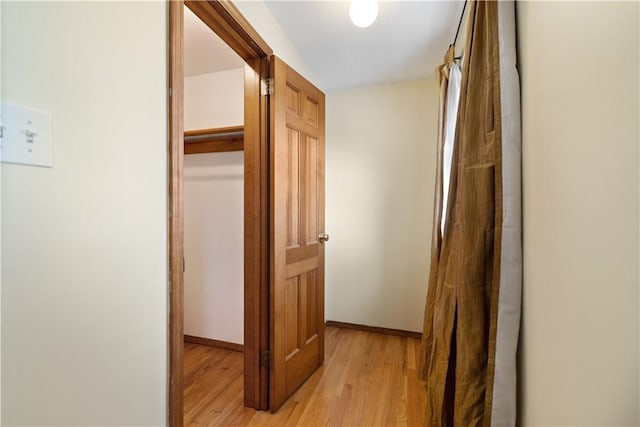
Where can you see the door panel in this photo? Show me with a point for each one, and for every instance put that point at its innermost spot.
(297, 219)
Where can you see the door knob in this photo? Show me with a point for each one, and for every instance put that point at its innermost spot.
(323, 237)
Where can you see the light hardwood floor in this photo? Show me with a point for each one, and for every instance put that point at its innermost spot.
(367, 379)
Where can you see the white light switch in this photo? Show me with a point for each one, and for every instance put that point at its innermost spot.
(25, 136)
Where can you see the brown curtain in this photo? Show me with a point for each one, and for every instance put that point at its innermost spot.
(442, 73)
(460, 325)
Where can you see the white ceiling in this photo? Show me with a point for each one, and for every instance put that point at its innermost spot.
(204, 51)
(407, 41)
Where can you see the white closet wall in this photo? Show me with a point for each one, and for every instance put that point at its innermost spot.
(214, 100)
(213, 207)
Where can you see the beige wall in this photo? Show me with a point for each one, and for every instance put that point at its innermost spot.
(84, 244)
(380, 178)
(579, 349)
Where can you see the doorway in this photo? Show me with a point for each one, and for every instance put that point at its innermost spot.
(213, 179)
(224, 19)
(283, 214)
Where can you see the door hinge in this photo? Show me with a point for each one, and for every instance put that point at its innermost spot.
(266, 359)
(266, 87)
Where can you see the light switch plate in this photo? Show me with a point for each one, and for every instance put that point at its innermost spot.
(26, 136)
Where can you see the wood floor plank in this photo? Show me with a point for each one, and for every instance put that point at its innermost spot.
(208, 389)
(367, 379)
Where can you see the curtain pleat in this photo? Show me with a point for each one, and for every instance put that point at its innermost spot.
(460, 326)
(442, 73)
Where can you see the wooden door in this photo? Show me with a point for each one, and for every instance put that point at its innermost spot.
(297, 231)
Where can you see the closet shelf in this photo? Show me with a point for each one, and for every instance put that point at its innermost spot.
(214, 140)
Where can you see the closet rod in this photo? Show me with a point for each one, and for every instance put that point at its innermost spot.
(214, 140)
(213, 136)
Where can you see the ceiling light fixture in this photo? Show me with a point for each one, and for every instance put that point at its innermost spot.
(363, 12)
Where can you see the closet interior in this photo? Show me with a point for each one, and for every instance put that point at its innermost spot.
(213, 201)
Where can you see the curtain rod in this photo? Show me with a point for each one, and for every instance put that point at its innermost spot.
(460, 22)
(464, 7)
